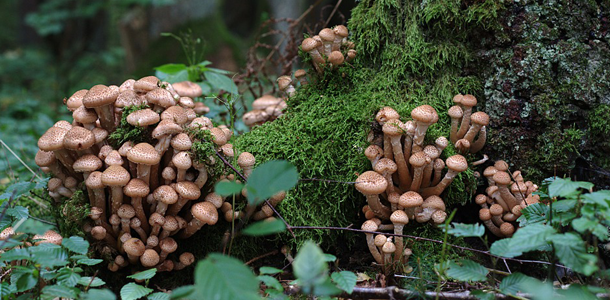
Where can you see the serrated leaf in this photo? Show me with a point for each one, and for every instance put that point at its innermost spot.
(17, 189)
(564, 187)
(222, 277)
(171, 68)
(533, 214)
(60, 291)
(570, 249)
(228, 188)
(91, 281)
(76, 244)
(309, 266)
(585, 225)
(89, 261)
(601, 198)
(345, 280)
(134, 291)
(265, 227)
(269, 270)
(467, 270)
(67, 277)
(271, 282)
(158, 296)
(99, 294)
(32, 226)
(19, 212)
(466, 230)
(481, 295)
(269, 179)
(49, 255)
(538, 290)
(220, 81)
(15, 254)
(532, 237)
(148, 274)
(6, 289)
(182, 292)
(511, 284)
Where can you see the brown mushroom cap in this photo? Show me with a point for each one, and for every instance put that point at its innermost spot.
(143, 117)
(79, 138)
(309, 44)
(410, 199)
(369, 225)
(480, 118)
(386, 113)
(468, 101)
(501, 165)
(164, 128)
(115, 176)
(425, 114)
(188, 89)
(205, 212)
(176, 114)
(327, 35)
(143, 153)
(136, 188)
(371, 183)
(146, 84)
(399, 217)
(484, 214)
(150, 258)
(76, 100)
(188, 190)
(134, 247)
(455, 112)
(160, 97)
(246, 160)
(336, 58)
(457, 163)
(495, 209)
(340, 30)
(502, 178)
(87, 163)
(434, 202)
(52, 139)
(181, 142)
(100, 95)
(165, 194)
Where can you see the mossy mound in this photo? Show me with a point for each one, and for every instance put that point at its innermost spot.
(407, 57)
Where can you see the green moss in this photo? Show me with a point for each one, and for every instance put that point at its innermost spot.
(408, 55)
(127, 132)
(72, 213)
(598, 121)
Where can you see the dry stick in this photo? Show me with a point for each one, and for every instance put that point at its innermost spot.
(21, 161)
(332, 13)
(274, 252)
(417, 238)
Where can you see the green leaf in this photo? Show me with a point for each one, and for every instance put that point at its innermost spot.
(326, 288)
(25, 282)
(467, 271)
(309, 266)
(222, 277)
(220, 81)
(134, 291)
(228, 188)
(466, 230)
(565, 187)
(33, 226)
(67, 277)
(564, 206)
(345, 280)
(76, 244)
(586, 225)
(99, 294)
(265, 228)
(17, 189)
(271, 282)
(171, 68)
(269, 270)
(483, 295)
(580, 292)
(275, 295)
(182, 292)
(533, 213)
(91, 281)
(511, 284)
(49, 255)
(148, 274)
(173, 78)
(19, 212)
(269, 179)
(570, 249)
(601, 198)
(532, 237)
(15, 254)
(537, 289)
(158, 296)
(60, 291)
(329, 257)
(89, 261)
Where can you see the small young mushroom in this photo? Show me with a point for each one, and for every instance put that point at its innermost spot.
(372, 226)
(203, 213)
(371, 184)
(184, 260)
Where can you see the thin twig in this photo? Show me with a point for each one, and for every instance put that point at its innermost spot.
(332, 13)
(328, 180)
(274, 252)
(18, 158)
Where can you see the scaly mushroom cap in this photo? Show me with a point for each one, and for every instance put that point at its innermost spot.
(455, 112)
(385, 165)
(188, 190)
(468, 101)
(127, 98)
(115, 176)
(484, 214)
(100, 95)
(113, 158)
(457, 99)
(146, 84)
(265, 101)
(246, 160)
(495, 209)
(419, 159)
(399, 217)
(160, 97)
(489, 171)
(434, 202)
(84, 115)
(373, 152)
(380, 239)
(136, 188)
(385, 114)
(188, 89)
(501, 165)
(76, 100)
(134, 247)
(425, 114)
(87, 163)
(336, 58)
(283, 82)
(79, 138)
(165, 194)
(371, 183)
(392, 127)
(441, 143)
(182, 160)
(410, 199)
(52, 139)
(94, 181)
(186, 258)
(181, 142)
(502, 178)
(218, 136)
(507, 229)
(166, 127)
(100, 134)
(298, 74)
(480, 199)
(327, 35)
(44, 158)
(480, 118)
(369, 225)
(176, 114)
(309, 44)
(340, 30)
(457, 163)
(63, 124)
(150, 258)
(126, 211)
(168, 245)
(388, 247)
(143, 117)
(143, 153)
(49, 237)
(205, 212)
(6, 233)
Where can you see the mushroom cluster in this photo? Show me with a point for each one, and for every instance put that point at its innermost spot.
(504, 198)
(143, 195)
(264, 109)
(407, 180)
(466, 125)
(329, 49)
